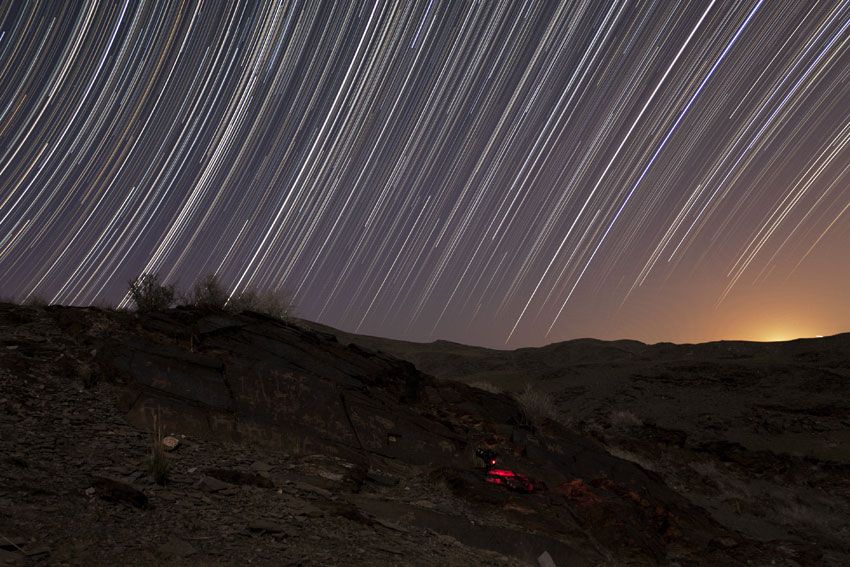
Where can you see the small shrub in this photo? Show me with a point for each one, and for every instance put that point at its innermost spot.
(537, 406)
(149, 295)
(208, 293)
(158, 464)
(486, 386)
(272, 303)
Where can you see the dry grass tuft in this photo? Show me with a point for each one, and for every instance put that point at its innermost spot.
(537, 406)
(158, 465)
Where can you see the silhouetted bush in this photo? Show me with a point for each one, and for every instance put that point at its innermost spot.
(158, 464)
(149, 295)
(209, 293)
(272, 303)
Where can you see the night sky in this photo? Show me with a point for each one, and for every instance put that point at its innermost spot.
(495, 173)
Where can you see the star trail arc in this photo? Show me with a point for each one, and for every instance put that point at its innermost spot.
(490, 172)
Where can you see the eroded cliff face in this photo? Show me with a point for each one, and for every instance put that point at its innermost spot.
(296, 448)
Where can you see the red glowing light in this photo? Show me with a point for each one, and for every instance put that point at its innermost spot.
(510, 479)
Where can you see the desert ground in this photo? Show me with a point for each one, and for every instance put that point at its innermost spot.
(298, 444)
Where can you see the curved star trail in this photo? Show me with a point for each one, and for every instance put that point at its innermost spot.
(490, 172)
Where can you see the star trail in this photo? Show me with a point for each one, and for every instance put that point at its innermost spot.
(496, 173)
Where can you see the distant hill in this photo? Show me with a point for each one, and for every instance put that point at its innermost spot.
(455, 361)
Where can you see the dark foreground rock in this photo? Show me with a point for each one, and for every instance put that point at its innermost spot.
(296, 449)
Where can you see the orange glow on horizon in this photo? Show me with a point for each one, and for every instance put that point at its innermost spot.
(781, 331)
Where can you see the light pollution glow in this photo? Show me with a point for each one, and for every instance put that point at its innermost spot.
(502, 173)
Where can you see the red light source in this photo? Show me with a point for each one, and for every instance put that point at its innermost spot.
(510, 480)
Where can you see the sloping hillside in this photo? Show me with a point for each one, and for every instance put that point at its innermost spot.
(758, 434)
(294, 448)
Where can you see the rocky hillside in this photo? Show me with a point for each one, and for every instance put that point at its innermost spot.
(294, 447)
(757, 434)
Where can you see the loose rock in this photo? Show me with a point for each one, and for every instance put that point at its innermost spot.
(545, 560)
(170, 442)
